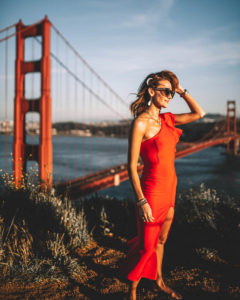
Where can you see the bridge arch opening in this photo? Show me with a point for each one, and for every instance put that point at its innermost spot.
(32, 128)
(32, 48)
(32, 85)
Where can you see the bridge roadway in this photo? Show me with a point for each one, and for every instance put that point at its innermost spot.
(113, 176)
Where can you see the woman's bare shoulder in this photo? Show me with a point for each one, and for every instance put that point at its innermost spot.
(140, 122)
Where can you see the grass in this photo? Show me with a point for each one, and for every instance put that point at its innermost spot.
(38, 233)
(52, 248)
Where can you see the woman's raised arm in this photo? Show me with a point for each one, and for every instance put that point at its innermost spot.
(196, 110)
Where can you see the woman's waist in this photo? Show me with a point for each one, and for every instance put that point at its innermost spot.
(156, 175)
(158, 186)
(158, 169)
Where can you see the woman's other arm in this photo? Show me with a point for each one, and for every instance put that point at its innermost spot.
(135, 138)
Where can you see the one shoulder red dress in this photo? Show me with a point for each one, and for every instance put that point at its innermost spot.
(158, 183)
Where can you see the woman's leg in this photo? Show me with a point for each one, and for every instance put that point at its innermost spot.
(160, 251)
(133, 290)
(162, 240)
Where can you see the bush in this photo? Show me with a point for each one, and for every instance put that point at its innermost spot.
(38, 231)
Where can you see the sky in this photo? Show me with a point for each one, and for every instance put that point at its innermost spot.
(126, 40)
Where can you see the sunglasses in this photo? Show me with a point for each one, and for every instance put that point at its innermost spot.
(166, 91)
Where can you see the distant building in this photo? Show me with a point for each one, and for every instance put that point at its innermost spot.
(80, 132)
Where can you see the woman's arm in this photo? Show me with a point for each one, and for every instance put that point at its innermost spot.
(196, 110)
(135, 139)
(134, 144)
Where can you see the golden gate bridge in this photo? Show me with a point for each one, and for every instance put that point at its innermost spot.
(52, 89)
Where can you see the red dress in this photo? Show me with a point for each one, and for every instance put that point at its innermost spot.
(158, 183)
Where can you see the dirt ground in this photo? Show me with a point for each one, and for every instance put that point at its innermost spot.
(100, 279)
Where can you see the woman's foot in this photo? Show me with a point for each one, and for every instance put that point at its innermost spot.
(163, 287)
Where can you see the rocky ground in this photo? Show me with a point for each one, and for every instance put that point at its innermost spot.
(208, 277)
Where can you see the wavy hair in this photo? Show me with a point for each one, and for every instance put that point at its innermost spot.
(141, 103)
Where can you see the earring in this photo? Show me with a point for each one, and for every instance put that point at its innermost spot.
(149, 102)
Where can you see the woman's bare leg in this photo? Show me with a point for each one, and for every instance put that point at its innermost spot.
(160, 251)
(133, 290)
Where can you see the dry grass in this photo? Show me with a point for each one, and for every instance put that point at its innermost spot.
(38, 233)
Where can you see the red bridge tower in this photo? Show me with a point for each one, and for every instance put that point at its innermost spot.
(22, 152)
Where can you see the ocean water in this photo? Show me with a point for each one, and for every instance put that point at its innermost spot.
(77, 156)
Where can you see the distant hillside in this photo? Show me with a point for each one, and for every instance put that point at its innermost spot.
(214, 116)
(191, 131)
(119, 129)
(211, 118)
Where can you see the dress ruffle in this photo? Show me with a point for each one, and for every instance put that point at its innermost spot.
(170, 121)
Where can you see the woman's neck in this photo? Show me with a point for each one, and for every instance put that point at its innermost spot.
(154, 111)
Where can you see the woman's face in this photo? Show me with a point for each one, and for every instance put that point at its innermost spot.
(160, 98)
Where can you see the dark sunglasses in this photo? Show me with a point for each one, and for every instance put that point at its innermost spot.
(166, 91)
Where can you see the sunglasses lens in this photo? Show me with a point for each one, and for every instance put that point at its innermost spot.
(169, 92)
(166, 92)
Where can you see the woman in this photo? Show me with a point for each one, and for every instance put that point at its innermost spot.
(154, 137)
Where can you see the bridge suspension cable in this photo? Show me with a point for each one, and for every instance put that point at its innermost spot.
(92, 87)
(6, 102)
(8, 27)
(16, 32)
(212, 133)
(88, 66)
(70, 72)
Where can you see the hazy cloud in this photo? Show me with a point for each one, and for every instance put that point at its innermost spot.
(155, 11)
(191, 53)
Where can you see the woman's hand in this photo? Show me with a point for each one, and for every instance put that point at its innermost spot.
(145, 213)
(179, 89)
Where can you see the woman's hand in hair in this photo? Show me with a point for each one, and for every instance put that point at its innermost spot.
(179, 89)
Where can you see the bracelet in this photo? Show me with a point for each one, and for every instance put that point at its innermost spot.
(184, 93)
(141, 202)
(141, 199)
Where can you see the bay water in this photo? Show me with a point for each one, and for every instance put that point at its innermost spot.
(77, 156)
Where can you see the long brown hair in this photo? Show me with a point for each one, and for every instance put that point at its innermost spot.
(141, 103)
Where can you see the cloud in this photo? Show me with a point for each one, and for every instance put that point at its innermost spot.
(139, 20)
(154, 12)
(188, 54)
